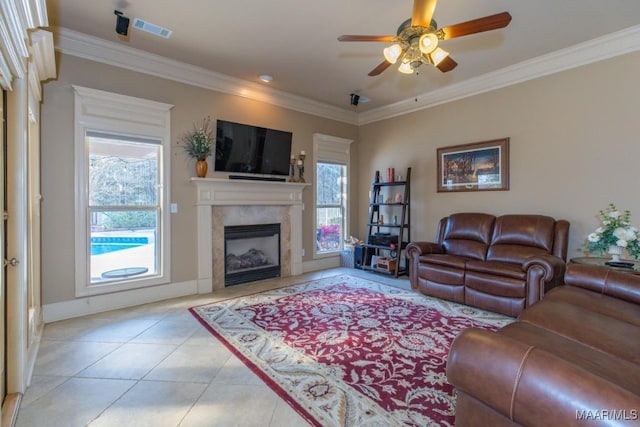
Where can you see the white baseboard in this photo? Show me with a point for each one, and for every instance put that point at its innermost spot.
(321, 264)
(99, 303)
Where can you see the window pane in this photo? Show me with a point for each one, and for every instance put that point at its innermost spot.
(122, 173)
(330, 203)
(123, 244)
(329, 229)
(329, 184)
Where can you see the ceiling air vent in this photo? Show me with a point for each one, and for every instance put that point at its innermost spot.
(151, 28)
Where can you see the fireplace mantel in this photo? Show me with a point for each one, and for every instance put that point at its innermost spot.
(238, 192)
(211, 192)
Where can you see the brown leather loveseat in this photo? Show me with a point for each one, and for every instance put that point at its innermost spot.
(502, 264)
(572, 359)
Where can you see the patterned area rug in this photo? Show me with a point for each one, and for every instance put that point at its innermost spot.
(346, 351)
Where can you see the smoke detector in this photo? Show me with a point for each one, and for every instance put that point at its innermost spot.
(151, 28)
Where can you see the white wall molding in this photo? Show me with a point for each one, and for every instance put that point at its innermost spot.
(98, 303)
(95, 49)
(88, 47)
(321, 264)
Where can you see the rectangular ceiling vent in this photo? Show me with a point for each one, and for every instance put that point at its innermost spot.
(151, 28)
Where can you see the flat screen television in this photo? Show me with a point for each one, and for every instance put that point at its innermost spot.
(250, 149)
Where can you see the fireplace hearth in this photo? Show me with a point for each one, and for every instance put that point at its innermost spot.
(252, 252)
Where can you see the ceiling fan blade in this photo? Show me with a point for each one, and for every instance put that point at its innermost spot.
(380, 68)
(492, 22)
(423, 12)
(447, 64)
(352, 38)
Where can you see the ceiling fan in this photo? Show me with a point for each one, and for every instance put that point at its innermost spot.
(417, 39)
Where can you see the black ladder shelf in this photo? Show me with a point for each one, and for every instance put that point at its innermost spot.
(388, 227)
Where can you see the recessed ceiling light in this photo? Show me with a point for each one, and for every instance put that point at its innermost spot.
(266, 78)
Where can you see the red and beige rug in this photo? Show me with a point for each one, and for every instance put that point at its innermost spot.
(347, 351)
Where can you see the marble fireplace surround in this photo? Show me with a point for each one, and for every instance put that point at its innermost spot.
(224, 202)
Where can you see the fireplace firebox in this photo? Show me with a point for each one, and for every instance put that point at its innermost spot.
(252, 252)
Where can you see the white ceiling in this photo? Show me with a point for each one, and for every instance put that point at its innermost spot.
(295, 41)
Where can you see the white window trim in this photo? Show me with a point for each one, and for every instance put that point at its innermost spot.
(332, 149)
(109, 112)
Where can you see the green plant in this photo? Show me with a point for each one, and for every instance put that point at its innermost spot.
(199, 143)
(616, 230)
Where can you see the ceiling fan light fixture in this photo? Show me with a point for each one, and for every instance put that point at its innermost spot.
(392, 53)
(438, 55)
(405, 68)
(428, 43)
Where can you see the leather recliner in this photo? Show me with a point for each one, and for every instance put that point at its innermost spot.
(573, 359)
(503, 264)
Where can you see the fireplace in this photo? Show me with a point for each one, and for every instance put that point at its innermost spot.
(227, 202)
(251, 252)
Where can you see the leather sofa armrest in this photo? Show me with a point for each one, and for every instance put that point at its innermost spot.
(528, 385)
(413, 252)
(415, 249)
(605, 281)
(553, 266)
(544, 272)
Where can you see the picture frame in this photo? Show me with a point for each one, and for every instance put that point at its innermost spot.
(479, 166)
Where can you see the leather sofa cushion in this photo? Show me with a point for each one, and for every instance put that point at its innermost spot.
(612, 307)
(619, 371)
(445, 259)
(492, 284)
(599, 331)
(468, 234)
(618, 284)
(527, 230)
(497, 268)
(500, 304)
(518, 237)
(441, 274)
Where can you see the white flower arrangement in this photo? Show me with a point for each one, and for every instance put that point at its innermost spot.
(616, 230)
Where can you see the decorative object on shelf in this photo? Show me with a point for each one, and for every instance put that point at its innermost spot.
(198, 144)
(292, 169)
(201, 168)
(301, 158)
(391, 173)
(615, 235)
(481, 166)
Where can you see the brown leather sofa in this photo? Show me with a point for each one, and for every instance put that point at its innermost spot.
(573, 359)
(502, 264)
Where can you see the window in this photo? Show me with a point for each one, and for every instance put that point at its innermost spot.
(331, 199)
(122, 174)
(331, 156)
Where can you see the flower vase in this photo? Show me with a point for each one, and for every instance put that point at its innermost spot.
(201, 168)
(615, 252)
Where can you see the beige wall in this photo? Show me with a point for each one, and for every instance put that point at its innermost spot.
(575, 147)
(190, 104)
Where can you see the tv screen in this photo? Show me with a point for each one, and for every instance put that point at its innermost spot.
(252, 149)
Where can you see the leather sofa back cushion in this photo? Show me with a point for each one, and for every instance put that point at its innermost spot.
(518, 237)
(468, 234)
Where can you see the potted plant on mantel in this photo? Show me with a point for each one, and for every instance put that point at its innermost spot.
(198, 145)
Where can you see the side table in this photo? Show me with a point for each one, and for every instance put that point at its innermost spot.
(601, 262)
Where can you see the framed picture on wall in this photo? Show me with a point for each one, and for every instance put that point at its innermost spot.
(480, 166)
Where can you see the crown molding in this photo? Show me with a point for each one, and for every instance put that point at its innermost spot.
(601, 48)
(95, 49)
(107, 52)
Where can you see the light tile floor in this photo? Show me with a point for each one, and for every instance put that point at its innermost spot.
(154, 365)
